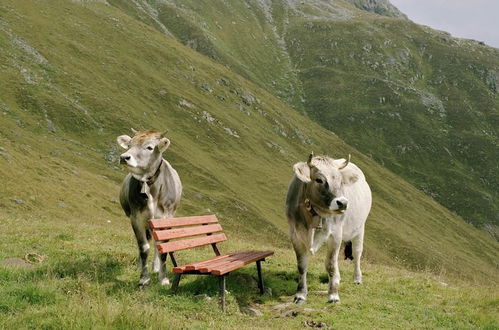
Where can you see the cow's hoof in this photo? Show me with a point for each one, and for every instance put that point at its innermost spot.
(165, 281)
(358, 282)
(144, 282)
(299, 300)
(333, 298)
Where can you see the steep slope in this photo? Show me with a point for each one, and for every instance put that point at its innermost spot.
(426, 103)
(71, 86)
(381, 7)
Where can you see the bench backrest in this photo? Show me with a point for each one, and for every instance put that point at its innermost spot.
(177, 233)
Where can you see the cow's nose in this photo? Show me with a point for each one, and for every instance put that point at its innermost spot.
(124, 159)
(342, 204)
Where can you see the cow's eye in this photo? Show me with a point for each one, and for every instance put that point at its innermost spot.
(319, 181)
(150, 148)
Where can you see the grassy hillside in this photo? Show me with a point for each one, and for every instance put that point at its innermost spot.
(70, 85)
(426, 103)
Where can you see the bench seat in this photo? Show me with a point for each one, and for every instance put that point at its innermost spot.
(223, 264)
(176, 234)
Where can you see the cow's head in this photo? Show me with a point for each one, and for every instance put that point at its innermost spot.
(325, 180)
(144, 152)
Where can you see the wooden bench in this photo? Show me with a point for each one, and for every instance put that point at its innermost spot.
(176, 234)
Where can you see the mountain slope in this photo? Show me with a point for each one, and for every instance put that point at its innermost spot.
(71, 86)
(426, 103)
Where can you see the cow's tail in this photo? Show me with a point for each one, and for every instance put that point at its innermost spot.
(348, 251)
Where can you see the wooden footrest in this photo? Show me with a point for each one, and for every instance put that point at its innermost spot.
(223, 264)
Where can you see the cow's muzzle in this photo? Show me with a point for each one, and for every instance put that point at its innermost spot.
(339, 204)
(124, 159)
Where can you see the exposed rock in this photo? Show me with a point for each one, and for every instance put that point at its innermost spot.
(281, 306)
(51, 125)
(206, 87)
(223, 81)
(208, 117)
(113, 155)
(380, 7)
(433, 104)
(17, 200)
(247, 98)
(315, 324)
(231, 132)
(251, 311)
(275, 146)
(290, 313)
(187, 104)
(242, 109)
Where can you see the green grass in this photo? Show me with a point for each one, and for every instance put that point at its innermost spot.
(98, 283)
(71, 85)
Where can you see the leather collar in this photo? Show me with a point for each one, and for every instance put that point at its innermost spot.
(150, 181)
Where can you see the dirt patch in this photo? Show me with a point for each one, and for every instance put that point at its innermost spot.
(16, 262)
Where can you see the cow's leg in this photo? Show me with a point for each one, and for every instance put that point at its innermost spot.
(357, 247)
(159, 267)
(160, 258)
(302, 261)
(163, 279)
(333, 250)
(143, 245)
(156, 263)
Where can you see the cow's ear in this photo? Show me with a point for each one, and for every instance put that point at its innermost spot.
(124, 141)
(349, 175)
(302, 171)
(163, 144)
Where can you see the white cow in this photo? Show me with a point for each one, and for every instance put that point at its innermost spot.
(328, 201)
(152, 189)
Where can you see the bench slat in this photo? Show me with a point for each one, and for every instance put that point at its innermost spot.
(196, 265)
(182, 221)
(238, 264)
(163, 235)
(190, 243)
(207, 268)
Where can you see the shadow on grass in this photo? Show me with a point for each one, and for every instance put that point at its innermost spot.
(242, 285)
(112, 274)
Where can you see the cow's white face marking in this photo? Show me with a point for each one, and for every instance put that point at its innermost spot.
(325, 181)
(144, 152)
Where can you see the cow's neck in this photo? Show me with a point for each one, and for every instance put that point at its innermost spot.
(149, 180)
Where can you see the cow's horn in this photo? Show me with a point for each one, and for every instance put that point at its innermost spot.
(134, 131)
(309, 162)
(342, 166)
(164, 134)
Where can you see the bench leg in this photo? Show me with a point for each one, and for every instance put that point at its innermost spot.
(260, 279)
(176, 281)
(221, 285)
